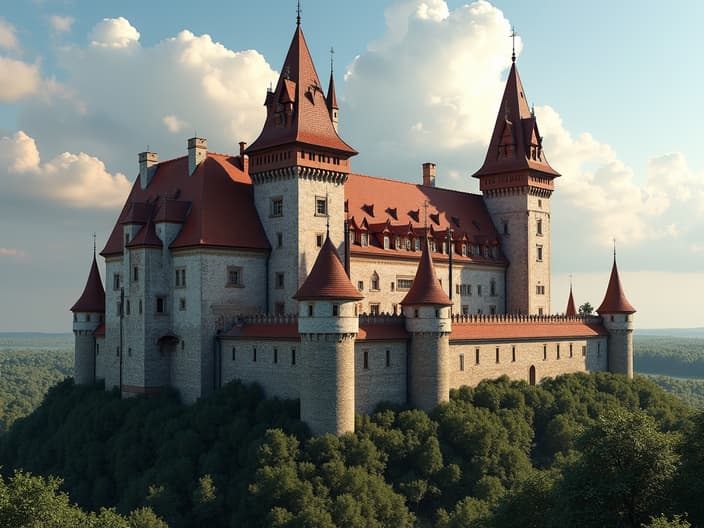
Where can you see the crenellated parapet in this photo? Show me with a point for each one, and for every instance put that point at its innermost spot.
(523, 319)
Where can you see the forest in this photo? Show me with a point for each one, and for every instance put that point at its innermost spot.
(579, 450)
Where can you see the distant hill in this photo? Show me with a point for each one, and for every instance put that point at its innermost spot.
(35, 340)
(673, 332)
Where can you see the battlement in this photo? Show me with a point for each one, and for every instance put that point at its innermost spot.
(523, 319)
(381, 319)
(268, 319)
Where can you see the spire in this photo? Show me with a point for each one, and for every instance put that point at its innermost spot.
(571, 310)
(327, 279)
(426, 287)
(615, 301)
(331, 98)
(516, 143)
(92, 300)
(298, 14)
(513, 36)
(297, 110)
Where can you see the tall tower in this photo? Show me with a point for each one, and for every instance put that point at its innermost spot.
(517, 183)
(328, 326)
(617, 315)
(88, 315)
(298, 166)
(428, 320)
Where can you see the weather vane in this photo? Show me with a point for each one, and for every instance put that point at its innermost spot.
(298, 13)
(513, 36)
(93, 244)
(332, 53)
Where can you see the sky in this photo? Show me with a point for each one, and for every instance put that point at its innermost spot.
(85, 86)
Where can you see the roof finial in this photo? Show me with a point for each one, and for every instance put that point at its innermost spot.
(532, 110)
(332, 53)
(614, 249)
(94, 244)
(298, 14)
(513, 36)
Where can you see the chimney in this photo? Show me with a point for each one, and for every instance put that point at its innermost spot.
(429, 174)
(197, 150)
(244, 157)
(147, 160)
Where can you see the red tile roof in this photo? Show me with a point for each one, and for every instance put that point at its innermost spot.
(146, 237)
(92, 300)
(376, 201)
(299, 86)
(516, 126)
(215, 203)
(571, 310)
(426, 287)
(525, 330)
(615, 301)
(327, 279)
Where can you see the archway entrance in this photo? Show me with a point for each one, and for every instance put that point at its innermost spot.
(531, 375)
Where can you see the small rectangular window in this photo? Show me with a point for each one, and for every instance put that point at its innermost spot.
(360, 285)
(497, 355)
(545, 352)
(476, 356)
(254, 354)
(539, 227)
(140, 306)
(127, 307)
(570, 349)
(364, 239)
(513, 354)
(310, 310)
(598, 350)
(276, 355)
(366, 359)
(319, 239)
(321, 206)
(404, 283)
(279, 279)
(129, 351)
(116, 281)
(233, 353)
(461, 362)
(182, 304)
(539, 253)
(279, 240)
(135, 274)
(558, 351)
(479, 290)
(388, 358)
(293, 356)
(584, 351)
(160, 305)
(374, 308)
(180, 277)
(335, 310)
(234, 277)
(277, 206)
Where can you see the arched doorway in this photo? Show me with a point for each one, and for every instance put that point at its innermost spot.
(531, 375)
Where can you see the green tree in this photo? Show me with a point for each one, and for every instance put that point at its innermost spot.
(586, 309)
(663, 522)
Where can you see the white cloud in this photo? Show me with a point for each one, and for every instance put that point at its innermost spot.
(75, 180)
(13, 253)
(61, 24)
(114, 33)
(8, 38)
(174, 124)
(17, 79)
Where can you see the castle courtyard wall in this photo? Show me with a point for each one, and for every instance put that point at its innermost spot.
(378, 381)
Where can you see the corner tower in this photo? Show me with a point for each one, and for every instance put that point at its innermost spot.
(298, 166)
(517, 182)
(328, 326)
(88, 315)
(427, 310)
(617, 315)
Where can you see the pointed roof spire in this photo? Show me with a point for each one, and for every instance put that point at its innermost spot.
(298, 14)
(327, 279)
(615, 301)
(303, 116)
(571, 310)
(331, 98)
(516, 143)
(426, 287)
(92, 300)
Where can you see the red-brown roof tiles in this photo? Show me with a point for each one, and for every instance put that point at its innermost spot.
(426, 287)
(146, 237)
(92, 300)
(220, 209)
(528, 330)
(327, 278)
(515, 127)
(311, 123)
(615, 301)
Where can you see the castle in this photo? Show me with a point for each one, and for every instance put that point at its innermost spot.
(281, 266)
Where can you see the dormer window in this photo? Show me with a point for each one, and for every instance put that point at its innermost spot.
(464, 250)
(417, 244)
(386, 242)
(398, 242)
(364, 239)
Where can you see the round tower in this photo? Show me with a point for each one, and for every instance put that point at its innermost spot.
(617, 314)
(328, 325)
(429, 321)
(88, 315)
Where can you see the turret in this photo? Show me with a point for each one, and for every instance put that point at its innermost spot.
(328, 326)
(88, 315)
(428, 320)
(617, 315)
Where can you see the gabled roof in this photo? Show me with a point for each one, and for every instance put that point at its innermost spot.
(327, 279)
(615, 301)
(92, 299)
(515, 126)
(146, 237)
(215, 205)
(300, 86)
(426, 287)
(571, 310)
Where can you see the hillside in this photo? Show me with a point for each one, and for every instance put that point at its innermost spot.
(501, 454)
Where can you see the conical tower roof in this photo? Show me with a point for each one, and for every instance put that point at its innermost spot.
(426, 287)
(331, 98)
(327, 279)
(615, 301)
(93, 297)
(571, 310)
(515, 132)
(299, 86)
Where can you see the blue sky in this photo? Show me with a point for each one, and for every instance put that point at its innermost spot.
(85, 85)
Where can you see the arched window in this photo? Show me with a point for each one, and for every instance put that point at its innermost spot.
(375, 281)
(464, 250)
(386, 242)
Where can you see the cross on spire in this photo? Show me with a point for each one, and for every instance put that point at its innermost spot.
(614, 248)
(513, 36)
(298, 13)
(93, 244)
